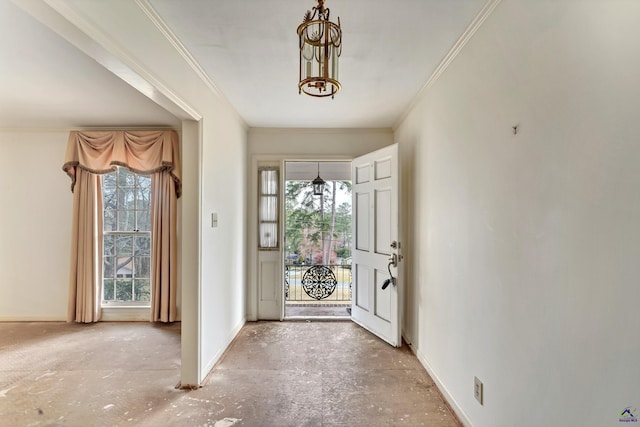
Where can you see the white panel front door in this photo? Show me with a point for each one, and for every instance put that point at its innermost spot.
(375, 226)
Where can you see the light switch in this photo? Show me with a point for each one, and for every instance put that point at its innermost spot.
(214, 220)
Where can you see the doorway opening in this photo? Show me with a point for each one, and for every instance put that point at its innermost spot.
(317, 239)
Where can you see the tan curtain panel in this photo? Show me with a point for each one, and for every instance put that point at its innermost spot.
(86, 247)
(164, 249)
(97, 152)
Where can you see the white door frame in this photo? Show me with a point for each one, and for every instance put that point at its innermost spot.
(252, 290)
(259, 308)
(312, 159)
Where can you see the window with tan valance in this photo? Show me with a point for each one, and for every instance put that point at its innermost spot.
(92, 153)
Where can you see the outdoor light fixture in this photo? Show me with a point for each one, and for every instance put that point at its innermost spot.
(320, 47)
(318, 184)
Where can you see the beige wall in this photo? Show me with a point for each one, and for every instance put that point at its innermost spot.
(35, 225)
(316, 143)
(523, 252)
(222, 259)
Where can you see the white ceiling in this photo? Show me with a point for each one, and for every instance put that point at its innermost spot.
(249, 50)
(47, 83)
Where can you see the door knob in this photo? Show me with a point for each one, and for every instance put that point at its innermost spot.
(393, 261)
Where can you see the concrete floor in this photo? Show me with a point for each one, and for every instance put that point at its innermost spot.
(275, 374)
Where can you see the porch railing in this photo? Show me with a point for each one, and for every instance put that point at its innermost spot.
(312, 283)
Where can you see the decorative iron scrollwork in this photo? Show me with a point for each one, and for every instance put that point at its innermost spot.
(286, 282)
(350, 281)
(319, 282)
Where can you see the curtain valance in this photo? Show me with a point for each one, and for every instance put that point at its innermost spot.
(143, 152)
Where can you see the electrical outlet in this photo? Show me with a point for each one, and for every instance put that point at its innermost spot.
(478, 390)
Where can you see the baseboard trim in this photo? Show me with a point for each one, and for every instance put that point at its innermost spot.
(32, 319)
(455, 407)
(218, 356)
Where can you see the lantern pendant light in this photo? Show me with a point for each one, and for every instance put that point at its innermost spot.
(318, 184)
(320, 42)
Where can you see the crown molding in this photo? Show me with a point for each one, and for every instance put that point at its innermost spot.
(318, 131)
(82, 33)
(83, 128)
(477, 22)
(8, 130)
(168, 33)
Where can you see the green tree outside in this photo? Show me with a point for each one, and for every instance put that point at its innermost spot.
(318, 228)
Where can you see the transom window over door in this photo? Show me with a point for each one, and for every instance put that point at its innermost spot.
(127, 238)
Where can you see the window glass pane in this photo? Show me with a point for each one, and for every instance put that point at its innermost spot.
(110, 223)
(143, 221)
(109, 246)
(108, 266)
(268, 235)
(143, 180)
(109, 198)
(123, 290)
(126, 220)
(142, 290)
(142, 245)
(269, 208)
(126, 178)
(108, 291)
(126, 198)
(124, 267)
(143, 267)
(142, 198)
(109, 181)
(269, 181)
(124, 245)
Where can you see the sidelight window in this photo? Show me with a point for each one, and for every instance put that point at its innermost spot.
(268, 208)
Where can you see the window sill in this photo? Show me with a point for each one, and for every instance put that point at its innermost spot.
(125, 314)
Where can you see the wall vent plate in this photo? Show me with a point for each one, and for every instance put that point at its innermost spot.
(478, 390)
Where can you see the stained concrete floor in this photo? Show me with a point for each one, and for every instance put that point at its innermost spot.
(275, 374)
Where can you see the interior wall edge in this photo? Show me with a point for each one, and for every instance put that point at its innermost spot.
(206, 370)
